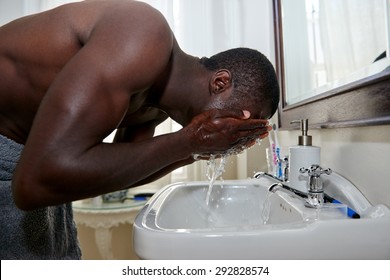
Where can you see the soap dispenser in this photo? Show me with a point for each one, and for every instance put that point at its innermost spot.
(302, 155)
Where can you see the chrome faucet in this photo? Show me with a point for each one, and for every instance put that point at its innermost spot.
(293, 192)
(315, 195)
(280, 186)
(316, 190)
(286, 168)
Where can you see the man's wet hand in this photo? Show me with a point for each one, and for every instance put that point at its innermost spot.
(217, 131)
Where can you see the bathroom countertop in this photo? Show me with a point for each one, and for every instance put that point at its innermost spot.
(103, 217)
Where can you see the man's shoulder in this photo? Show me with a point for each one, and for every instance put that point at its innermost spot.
(132, 13)
(132, 20)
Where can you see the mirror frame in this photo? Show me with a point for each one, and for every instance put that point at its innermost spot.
(360, 103)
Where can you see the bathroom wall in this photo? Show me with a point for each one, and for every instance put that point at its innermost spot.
(362, 155)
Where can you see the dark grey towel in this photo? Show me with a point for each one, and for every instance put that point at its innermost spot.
(47, 233)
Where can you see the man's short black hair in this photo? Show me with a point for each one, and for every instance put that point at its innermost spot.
(253, 76)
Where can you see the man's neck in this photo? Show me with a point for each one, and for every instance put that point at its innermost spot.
(183, 95)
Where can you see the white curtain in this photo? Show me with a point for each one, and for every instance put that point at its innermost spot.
(352, 34)
(35, 6)
(298, 74)
(202, 27)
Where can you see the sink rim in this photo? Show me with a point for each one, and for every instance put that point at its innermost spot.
(248, 243)
(153, 207)
(147, 217)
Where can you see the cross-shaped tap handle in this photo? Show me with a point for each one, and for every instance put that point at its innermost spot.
(315, 171)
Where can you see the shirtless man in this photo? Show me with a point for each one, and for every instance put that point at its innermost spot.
(72, 75)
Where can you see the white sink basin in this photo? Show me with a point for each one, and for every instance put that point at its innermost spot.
(177, 223)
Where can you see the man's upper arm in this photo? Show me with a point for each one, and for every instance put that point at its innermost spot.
(114, 62)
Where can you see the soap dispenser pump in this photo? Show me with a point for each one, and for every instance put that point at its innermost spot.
(302, 155)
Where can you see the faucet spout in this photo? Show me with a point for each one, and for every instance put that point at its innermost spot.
(276, 186)
(311, 199)
(286, 189)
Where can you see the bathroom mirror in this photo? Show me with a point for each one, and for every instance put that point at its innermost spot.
(333, 62)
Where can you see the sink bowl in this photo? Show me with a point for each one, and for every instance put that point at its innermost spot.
(243, 220)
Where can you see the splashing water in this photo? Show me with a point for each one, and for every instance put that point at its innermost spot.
(216, 165)
(213, 172)
(266, 208)
(258, 141)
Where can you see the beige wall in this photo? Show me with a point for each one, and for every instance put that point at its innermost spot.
(360, 154)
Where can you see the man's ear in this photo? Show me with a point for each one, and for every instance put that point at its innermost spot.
(220, 81)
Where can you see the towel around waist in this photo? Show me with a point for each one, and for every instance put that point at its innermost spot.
(46, 233)
(10, 152)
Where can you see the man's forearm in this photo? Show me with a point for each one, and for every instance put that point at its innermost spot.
(101, 169)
